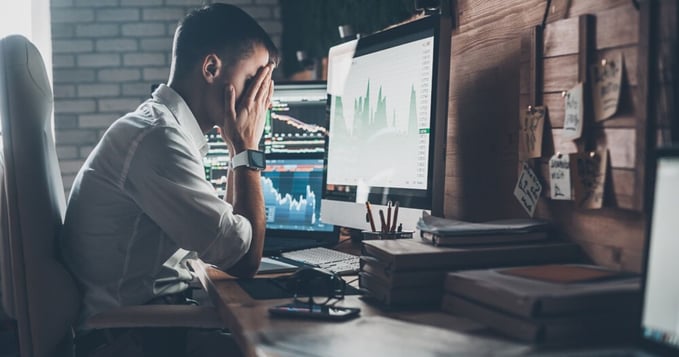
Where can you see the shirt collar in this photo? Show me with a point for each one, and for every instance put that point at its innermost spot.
(181, 111)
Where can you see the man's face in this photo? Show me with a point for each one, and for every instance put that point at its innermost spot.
(242, 74)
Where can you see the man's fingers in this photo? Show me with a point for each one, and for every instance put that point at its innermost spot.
(251, 95)
(264, 89)
(230, 100)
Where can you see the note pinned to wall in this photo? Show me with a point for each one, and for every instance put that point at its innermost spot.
(574, 112)
(531, 128)
(560, 177)
(606, 85)
(528, 188)
(590, 178)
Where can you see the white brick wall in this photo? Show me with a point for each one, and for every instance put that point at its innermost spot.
(106, 56)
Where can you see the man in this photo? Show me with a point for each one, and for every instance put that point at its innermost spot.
(141, 202)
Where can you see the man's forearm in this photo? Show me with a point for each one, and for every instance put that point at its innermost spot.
(248, 201)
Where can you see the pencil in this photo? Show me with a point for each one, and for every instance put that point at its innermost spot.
(393, 225)
(369, 215)
(388, 216)
(384, 224)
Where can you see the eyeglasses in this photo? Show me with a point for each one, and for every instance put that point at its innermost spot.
(314, 286)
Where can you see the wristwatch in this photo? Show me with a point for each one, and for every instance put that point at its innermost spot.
(252, 159)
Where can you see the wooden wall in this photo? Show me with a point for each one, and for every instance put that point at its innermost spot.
(485, 101)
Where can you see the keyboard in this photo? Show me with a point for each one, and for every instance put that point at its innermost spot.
(328, 259)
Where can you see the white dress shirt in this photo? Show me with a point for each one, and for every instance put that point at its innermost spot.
(140, 196)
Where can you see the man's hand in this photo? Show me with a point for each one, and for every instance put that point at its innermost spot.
(244, 120)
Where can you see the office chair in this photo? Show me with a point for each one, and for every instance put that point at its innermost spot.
(37, 290)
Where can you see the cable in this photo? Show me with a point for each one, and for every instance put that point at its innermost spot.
(544, 17)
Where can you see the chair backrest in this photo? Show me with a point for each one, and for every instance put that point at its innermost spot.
(37, 289)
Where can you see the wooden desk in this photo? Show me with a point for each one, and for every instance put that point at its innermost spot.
(375, 333)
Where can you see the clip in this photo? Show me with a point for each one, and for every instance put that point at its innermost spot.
(592, 154)
(558, 155)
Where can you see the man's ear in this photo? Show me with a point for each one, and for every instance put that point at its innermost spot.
(211, 68)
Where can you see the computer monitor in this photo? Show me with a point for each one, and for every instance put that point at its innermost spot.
(388, 95)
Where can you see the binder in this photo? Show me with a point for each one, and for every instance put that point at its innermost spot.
(411, 254)
(536, 298)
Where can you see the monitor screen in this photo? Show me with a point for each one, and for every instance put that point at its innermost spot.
(387, 119)
(660, 320)
(292, 194)
(296, 123)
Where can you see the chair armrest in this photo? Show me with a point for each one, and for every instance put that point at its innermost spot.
(157, 316)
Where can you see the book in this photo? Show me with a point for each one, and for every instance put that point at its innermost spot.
(445, 231)
(412, 254)
(569, 290)
(400, 279)
(375, 289)
(562, 330)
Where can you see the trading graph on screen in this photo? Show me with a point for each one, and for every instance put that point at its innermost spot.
(292, 196)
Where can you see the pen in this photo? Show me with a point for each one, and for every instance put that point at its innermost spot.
(388, 228)
(384, 225)
(393, 225)
(369, 215)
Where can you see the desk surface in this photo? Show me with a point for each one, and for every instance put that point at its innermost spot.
(374, 333)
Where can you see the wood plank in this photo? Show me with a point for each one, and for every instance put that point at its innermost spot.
(617, 27)
(606, 226)
(560, 73)
(561, 38)
(582, 7)
(623, 182)
(503, 16)
(619, 141)
(614, 257)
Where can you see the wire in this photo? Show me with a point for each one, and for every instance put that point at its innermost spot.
(544, 17)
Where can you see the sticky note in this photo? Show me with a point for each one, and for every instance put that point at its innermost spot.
(560, 177)
(574, 113)
(528, 188)
(590, 178)
(606, 85)
(531, 129)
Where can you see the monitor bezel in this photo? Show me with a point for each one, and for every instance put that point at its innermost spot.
(431, 199)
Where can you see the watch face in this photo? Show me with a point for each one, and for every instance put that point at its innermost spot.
(257, 159)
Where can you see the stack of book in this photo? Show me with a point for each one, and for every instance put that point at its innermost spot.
(556, 304)
(407, 272)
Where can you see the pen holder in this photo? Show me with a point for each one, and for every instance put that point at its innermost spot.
(369, 235)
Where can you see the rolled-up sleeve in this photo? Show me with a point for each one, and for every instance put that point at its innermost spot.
(167, 181)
